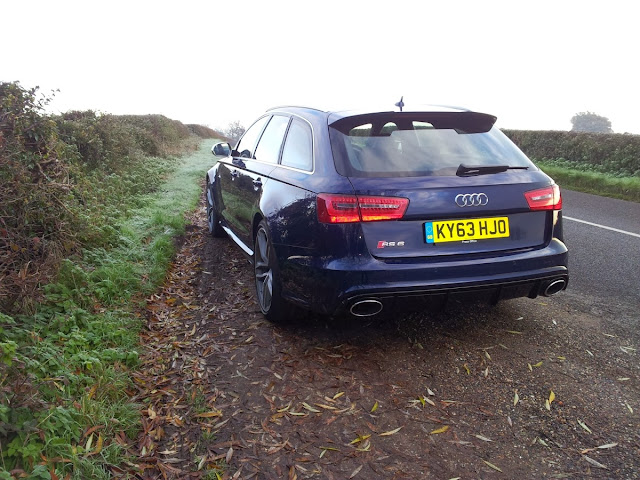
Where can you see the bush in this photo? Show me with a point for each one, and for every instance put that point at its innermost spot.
(62, 176)
(611, 153)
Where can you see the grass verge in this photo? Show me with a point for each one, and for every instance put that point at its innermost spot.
(65, 371)
(625, 188)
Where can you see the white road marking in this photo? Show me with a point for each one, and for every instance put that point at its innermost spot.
(602, 226)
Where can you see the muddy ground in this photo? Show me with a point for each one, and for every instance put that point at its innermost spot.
(544, 388)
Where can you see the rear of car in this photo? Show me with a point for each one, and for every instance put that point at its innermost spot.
(440, 202)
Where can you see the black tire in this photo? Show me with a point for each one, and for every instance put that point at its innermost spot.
(267, 278)
(213, 221)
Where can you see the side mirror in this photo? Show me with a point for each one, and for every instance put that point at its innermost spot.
(221, 149)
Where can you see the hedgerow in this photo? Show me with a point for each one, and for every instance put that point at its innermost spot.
(76, 246)
(609, 153)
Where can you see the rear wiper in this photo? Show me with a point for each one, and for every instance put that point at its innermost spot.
(472, 170)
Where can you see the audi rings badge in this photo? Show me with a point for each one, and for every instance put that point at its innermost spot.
(471, 199)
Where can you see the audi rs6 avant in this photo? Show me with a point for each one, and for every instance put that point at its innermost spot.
(348, 211)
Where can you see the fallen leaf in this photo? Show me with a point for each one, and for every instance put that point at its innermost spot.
(552, 397)
(355, 472)
(359, 439)
(623, 379)
(391, 432)
(439, 430)
(375, 407)
(492, 465)
(608, 445)
(590, 353)
(539, 364)
(483, 438)
(629, 407)
(430, 392)
(310, 408)
(229, 455)
(584, 426)
(547, 405)
(292, 473)
(516, 398)
(212, 413)
(594, 462)
(514, 332)
(326, 449)
(365, 447)
(338, 395)
(466, 367)
(601, 447)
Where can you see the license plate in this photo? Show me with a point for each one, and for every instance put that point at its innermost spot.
(465, 230)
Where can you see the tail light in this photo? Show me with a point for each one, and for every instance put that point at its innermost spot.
(353, 208)
(547, 198)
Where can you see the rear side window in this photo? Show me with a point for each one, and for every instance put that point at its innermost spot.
(247, 143)
(269, 147)
(424, 144)
(298, 148)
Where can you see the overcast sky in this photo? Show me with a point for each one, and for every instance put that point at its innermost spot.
(532, 64)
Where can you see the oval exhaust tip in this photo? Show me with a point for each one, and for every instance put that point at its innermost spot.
(366, 308)
(555, 287)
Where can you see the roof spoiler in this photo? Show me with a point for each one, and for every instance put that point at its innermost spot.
(461, 122)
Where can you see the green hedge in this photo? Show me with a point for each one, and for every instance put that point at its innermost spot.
(611, 153)
(58, 174)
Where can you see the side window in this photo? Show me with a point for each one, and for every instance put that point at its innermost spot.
(247, 143)
(269, 147)
(298, 148)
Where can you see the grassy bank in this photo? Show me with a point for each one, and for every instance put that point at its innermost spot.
(65, 368)
(625, 188)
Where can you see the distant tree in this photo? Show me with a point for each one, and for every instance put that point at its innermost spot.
(234, 131)
(590, 122)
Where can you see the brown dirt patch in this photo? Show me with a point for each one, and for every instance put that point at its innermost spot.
(403, 396)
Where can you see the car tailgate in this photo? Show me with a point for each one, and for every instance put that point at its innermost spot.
(491, 214)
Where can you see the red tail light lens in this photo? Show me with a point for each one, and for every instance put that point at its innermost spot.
(352, 208)
(547, 198)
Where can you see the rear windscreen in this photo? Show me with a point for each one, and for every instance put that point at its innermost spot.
(420, 145)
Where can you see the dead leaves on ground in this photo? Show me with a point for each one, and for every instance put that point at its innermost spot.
(185, 399)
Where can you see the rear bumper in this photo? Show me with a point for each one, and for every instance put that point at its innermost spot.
(329, 287)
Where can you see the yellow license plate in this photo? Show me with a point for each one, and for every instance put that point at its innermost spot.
(469, 229)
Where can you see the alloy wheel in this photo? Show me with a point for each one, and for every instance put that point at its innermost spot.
(263, 271)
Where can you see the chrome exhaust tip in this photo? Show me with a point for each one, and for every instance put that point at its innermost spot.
(366, 308)
(554, 287)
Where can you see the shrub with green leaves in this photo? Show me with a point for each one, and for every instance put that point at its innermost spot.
(614, 154)
(84, 236)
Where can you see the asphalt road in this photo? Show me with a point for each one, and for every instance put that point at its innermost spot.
(603, 263)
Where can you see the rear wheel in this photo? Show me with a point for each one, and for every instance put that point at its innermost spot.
(267, 277)
(215, 228)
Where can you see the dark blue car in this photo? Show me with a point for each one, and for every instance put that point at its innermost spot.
(350, 210)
